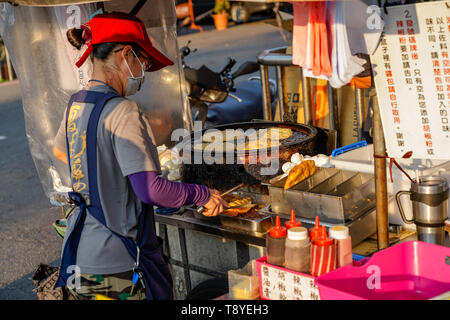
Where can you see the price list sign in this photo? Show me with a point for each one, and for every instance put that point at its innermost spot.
(412, 78)
(282, 284)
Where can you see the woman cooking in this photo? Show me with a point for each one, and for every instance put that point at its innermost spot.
(111, 242)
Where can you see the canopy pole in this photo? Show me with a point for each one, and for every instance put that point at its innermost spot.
(137, 7)
(379, 149)
(331, 107)
(359, 102)
(267, 107)
(306, 93)
(280, 86)
(8, 64)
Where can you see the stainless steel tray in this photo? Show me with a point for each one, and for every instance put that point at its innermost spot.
(255, 226)
(261, 225)
(334, 195)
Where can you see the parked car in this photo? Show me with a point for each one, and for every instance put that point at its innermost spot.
(240, 11)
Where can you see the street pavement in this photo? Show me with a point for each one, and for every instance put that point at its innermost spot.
(27, 237)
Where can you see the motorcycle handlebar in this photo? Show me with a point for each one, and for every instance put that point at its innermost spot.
(245, 68)
(227, 68)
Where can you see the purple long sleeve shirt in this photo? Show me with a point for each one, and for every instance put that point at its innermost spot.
(152, 189)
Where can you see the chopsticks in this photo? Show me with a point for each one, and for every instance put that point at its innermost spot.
(201, 209)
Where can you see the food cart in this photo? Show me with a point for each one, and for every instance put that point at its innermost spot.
(361, 176)
(200, 248)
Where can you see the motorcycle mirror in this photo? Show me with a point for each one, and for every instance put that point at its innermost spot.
(185, 51)
(246, 68)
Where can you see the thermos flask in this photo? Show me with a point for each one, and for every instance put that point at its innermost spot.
(429, 201)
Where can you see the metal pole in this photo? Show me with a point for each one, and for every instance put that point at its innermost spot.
(379, 149)
(8, 64)
(331, 107)
(306, 98)
(359, 103)
(267, 107)
(280, 89)
(137, 7)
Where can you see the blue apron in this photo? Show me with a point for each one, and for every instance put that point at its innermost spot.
(151, 265)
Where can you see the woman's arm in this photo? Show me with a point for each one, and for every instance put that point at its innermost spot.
(152, 189)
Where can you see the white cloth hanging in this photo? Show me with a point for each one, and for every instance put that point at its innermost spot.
(344, 65)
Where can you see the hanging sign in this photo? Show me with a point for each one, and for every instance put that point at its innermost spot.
(412, 78)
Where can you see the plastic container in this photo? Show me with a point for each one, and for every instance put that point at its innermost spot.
(243, 283)
(292, 223)
(411, 270)
(275, 243)
(323, 254)
(297, 252)
(343, 241)
(314, 232)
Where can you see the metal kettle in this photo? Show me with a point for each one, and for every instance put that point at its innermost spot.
(429, 200)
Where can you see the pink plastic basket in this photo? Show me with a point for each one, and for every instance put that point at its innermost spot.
(412, 270)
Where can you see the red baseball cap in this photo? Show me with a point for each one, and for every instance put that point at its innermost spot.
(121, 27)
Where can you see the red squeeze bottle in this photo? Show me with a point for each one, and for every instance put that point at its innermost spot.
(323, 254)
(314, 232)
(292, 223)
(278, 231)
(322, 240)
(275, 243)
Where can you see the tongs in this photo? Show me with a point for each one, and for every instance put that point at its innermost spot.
(201, 209)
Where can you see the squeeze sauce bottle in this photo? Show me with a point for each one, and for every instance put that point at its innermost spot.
(322, 240)
(314, 232)
(298, 247)
(323, 256)
(275, 243)
(292, 223)
(343, 241)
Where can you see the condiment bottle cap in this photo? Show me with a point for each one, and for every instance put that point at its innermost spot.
(315, 231)
(278, 231)
(297, 233)
(292, 223)
(339, 232)
(322, 240)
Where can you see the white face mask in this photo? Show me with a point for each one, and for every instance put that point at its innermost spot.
(134, 84)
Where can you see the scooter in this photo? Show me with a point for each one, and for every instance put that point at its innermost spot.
(216, 99)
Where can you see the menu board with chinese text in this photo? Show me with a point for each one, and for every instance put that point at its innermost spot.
(283, 284)
(412, 77)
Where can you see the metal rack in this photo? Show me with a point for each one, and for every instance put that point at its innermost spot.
(276, 57)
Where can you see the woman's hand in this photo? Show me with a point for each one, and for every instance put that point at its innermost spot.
(215, 205)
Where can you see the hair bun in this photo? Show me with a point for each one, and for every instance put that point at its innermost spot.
(75, 37)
